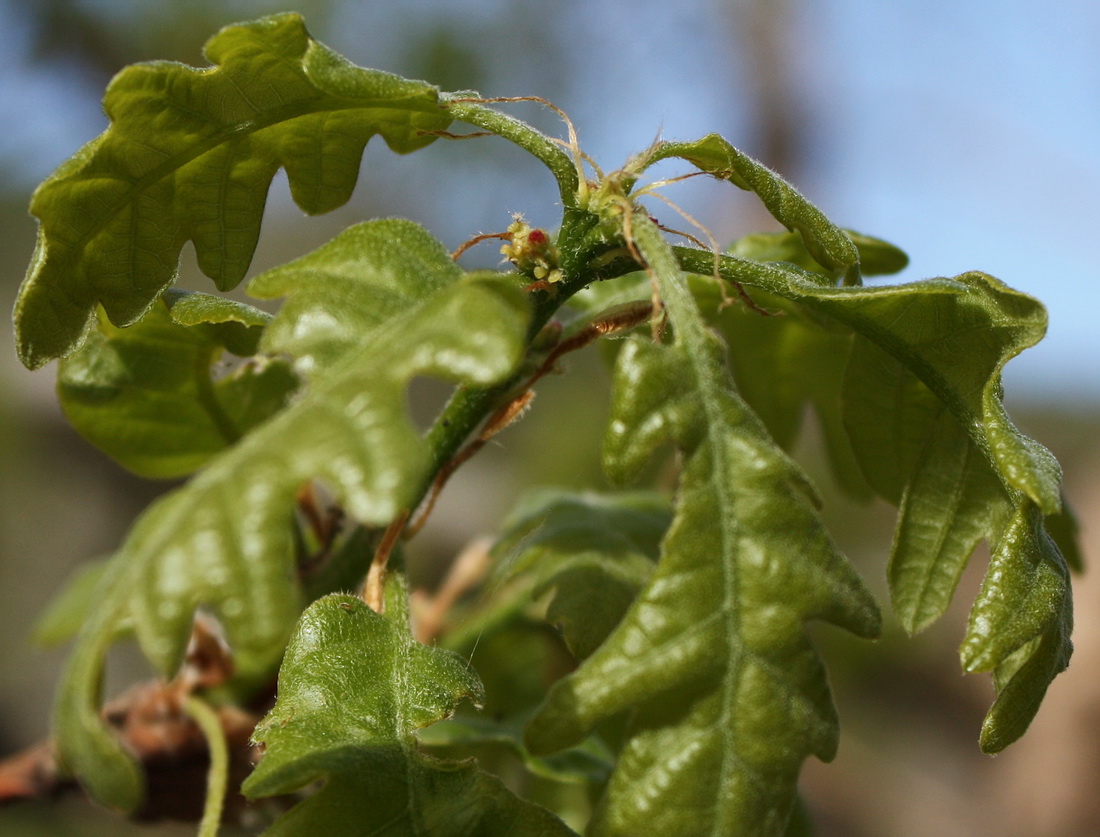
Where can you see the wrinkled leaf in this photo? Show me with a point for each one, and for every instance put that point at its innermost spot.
(782, 362)
(922, 406)
(189, 156)
(226, 539)
(1020, 625)
(728, 695)
(151, 396)
(353, 689)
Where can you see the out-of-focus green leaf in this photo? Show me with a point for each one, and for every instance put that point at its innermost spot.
(591, 762)
(595, 551)
(226, 539)
(1065, 530)
(86, 746)
(728, 695)
(150, 395)
(70, 608)
(876, 257)
(353, 689)
(189, 156)
(922, 406)
(829, 245)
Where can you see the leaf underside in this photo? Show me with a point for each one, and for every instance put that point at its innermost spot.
(151, 395)
(919, 367)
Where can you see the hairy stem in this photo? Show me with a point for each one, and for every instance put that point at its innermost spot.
(561, 165)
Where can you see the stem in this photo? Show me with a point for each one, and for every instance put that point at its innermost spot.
(533, 141)
(208, 722)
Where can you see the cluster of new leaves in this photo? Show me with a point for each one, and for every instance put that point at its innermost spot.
(698, 694)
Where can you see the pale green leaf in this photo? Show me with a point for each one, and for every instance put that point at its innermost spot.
(151, 395)
(226, 539)
(951, 503)
(70, 608)
(329, 308)
(729, 696)
(784, 359)
(86, 747)
(353, 688)
(189, 156)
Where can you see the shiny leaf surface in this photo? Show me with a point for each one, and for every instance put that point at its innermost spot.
(189, 156)
(728, 695)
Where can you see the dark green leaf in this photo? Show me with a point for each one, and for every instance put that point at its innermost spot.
(728, 694)
(922, 404)
(353, 689)
(189, 156)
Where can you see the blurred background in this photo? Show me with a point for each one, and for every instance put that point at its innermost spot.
(964, 132)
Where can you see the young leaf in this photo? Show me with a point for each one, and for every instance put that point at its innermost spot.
(147, 396)
(829, 245)
(922, 405)
(728, 695)
(1020, 625)
(353, 689)
(225, 540)
(189, 156)
(783, 362)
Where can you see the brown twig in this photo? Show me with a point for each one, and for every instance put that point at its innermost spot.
(374, 593)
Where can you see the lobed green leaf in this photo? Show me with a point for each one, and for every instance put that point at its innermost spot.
(922, 407)
(226, 539)
(353, 689)
(189, 156)
(728, 695)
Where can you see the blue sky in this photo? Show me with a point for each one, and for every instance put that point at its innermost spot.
(966, 132)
